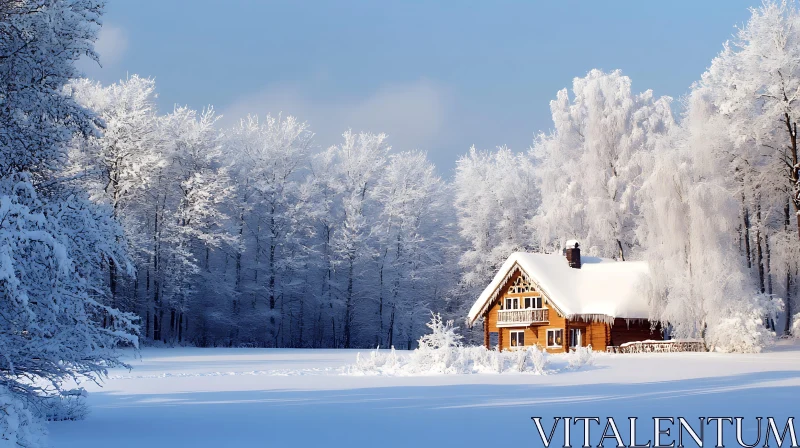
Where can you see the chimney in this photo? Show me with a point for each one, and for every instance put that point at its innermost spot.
(573, 253)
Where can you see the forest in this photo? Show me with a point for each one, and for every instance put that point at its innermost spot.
(121, 224)
(254, 235)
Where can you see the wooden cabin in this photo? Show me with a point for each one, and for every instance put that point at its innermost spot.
(564, 301)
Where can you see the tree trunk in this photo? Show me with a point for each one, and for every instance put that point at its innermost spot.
(348, 313)
(239, 252)
(301, 323)
(156, 328)
(391, 328)
(156, 283)
(759, 252)
(380, 302)
(180, 328)
(769, 264)
(787, 329)
(172, 325)
(794, 167)
(746, 214)
(333, 331)
(788, 326)
(112, 281)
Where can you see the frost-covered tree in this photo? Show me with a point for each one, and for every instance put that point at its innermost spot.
(269, 161)
(750, 93)
(413, 231)
(589, 166)
(495, 198)
(116, 166)
(195, 221)
(352, 171)
(700, 286)
(53, 240)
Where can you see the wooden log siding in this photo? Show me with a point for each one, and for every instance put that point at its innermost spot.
(523, 316)
(600, 331)
(486, 332)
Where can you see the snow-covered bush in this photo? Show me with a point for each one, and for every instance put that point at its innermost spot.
(743, 329)
(19, 426)
(68, 405)
(581, 356)
(441, 352)
(796, 326)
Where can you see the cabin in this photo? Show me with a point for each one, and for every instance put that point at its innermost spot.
(563, 301)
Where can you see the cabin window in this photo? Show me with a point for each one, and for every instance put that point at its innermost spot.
(555, 337)
(517, 338)
(512, 303)
(575, 337)
(533, 302)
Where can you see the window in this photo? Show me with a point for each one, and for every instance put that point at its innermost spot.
(555, 337)
(533, 302)
(575, 337)
(517, 338)
(512, 303)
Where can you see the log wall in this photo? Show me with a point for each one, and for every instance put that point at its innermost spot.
(599, 335)
(624, 331)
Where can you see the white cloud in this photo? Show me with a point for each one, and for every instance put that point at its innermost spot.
(111, 44)
(112, 41)
(411, 114)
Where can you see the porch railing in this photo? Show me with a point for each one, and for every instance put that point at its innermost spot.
(522, 317)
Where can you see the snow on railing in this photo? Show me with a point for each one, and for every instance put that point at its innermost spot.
(527, 316)
(652, 346)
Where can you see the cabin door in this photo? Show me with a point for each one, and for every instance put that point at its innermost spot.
(575, 337)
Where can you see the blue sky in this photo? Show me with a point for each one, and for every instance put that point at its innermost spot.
(436, 76)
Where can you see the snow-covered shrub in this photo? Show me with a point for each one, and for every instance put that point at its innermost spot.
(581, 356)
(376, 361)
(796, 326)
(19, 426)
(441, 352)
(68, 405)
(743, 329)
(531, 359)
(741, 333)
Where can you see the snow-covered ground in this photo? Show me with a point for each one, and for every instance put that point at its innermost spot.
(196, 397)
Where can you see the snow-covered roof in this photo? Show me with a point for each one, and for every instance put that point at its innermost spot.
(601, 287)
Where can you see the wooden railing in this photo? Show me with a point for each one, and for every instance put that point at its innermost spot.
(523, 317)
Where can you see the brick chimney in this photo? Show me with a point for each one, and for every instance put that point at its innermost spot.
(573, 253)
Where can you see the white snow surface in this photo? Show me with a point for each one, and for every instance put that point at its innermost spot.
(600, 286)
(202, 398)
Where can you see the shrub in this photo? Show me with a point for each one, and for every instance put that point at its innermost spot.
(441, 352)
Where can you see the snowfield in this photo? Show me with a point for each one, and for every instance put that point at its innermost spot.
(198, 397)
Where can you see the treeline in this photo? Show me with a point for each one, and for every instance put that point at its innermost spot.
(257, 235)
(253, 235)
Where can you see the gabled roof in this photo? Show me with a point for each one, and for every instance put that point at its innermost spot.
(601, 287)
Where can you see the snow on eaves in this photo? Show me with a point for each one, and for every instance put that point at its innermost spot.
(601, 287)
